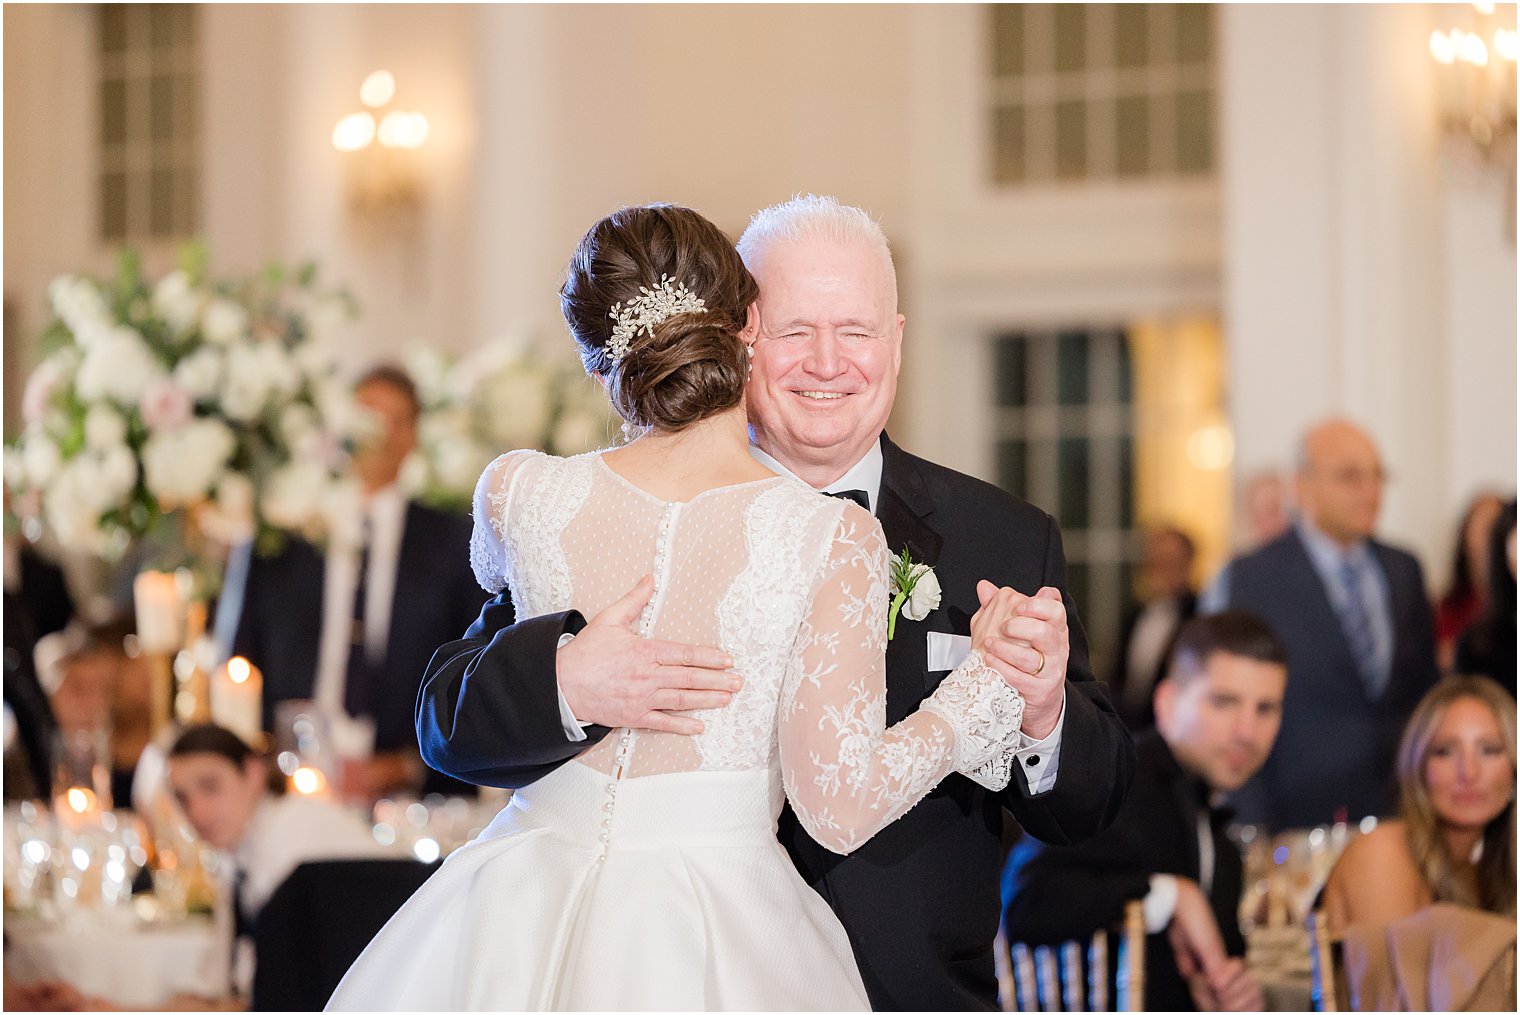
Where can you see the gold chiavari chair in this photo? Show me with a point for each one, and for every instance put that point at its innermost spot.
(1075, 975)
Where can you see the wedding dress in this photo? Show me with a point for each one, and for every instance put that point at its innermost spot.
(646, 874)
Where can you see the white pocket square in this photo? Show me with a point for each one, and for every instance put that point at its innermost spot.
(947, 651)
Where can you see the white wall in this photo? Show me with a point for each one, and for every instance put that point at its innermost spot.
(1356, 281)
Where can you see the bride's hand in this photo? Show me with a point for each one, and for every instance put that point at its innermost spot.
(1025, 639)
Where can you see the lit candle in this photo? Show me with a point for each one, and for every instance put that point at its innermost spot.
(158, 619)
(237, 698)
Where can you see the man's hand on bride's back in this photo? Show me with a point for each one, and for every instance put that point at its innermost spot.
(611, 676)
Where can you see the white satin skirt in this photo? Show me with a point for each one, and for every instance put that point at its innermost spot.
(666, 892)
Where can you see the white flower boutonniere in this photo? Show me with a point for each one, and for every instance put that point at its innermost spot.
(915, 591)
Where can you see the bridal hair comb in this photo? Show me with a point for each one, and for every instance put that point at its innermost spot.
(664, 301)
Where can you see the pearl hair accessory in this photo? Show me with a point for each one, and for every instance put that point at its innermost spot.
(664, 301)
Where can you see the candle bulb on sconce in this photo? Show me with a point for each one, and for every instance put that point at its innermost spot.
(384, 185)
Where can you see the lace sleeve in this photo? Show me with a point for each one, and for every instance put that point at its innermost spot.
(488, 543)
(846, 774)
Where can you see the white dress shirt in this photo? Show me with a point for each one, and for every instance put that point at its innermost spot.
(384, 516)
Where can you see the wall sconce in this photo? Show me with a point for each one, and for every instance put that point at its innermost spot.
(1476, 76)
(383, 179)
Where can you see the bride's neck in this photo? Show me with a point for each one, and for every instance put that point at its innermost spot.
(712, 452)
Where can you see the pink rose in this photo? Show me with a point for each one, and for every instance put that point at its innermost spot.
(165, 406)
(40, 388)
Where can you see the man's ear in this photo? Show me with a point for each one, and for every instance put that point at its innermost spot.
(1163, 699)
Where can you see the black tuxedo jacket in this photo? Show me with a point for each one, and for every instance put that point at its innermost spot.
(920, 899)
(280, 628)
(1058, 893)
(1329, 722)
(1142, 717)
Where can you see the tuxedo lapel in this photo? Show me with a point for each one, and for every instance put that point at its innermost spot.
(903, 505)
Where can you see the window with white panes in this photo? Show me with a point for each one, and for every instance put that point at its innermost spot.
(149, 166)
(1064, 438)
(1100, 91)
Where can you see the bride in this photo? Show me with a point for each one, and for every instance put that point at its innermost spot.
(646, 874)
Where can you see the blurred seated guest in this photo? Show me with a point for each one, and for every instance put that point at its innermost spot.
(233, 800)
(1265, 503)
(1217, 712)
(37, 603)
(30, 726)
(1467, 596)
(1454, 840)
(1353, 614)
(1168, 599)
(353, 627)
(37, 600)
(103, 684)
(1488, 645)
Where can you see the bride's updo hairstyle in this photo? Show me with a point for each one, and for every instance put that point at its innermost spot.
(694, 364)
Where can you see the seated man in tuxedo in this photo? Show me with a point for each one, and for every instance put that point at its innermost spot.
(1217, 713)
(353, 626)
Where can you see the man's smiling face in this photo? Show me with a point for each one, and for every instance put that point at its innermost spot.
(827, 356)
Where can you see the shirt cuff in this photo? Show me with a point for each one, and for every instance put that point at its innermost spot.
(1160, 903)
(1039, 759)
(575, 730)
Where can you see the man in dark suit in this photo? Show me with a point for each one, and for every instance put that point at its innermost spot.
(1217, 712)
(353, 626)
(1359, 632)
(919, 900)
(1145, 639)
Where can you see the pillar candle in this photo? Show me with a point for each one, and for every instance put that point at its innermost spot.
(237, 698)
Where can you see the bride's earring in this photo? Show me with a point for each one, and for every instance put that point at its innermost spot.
(749, 363)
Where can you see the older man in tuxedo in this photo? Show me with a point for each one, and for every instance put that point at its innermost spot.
(1359, 632)
(352, 626)
(920, 900)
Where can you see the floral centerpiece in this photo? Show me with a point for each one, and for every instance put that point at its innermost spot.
(182, 412)
(503, 396)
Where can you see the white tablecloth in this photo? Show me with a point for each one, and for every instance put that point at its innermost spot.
(133, 966)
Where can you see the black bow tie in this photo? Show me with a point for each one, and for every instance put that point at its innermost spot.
(858, 496)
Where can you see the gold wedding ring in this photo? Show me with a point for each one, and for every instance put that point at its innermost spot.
(1036, 671)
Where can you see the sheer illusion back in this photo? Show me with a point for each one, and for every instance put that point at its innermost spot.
(575, 534)
(793, 585)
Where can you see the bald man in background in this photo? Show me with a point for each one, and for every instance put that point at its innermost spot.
(1353, 615)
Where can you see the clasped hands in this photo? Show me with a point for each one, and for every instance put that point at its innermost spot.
(611, 676)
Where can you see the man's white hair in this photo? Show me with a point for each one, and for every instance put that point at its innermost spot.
(814, 217)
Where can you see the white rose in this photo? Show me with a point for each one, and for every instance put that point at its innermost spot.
(117, 471)
(182, 466)
(117, 365)
(104, 428)
(519, 403)
(41, 458)
(458, 464)
(224, 322)
(79, 305)
(229, 518)
(926, 594)
(200, 373)
(297, 420)
(430, 372)
(15, 470)
(177, 302)
(293, 495)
